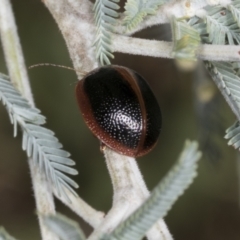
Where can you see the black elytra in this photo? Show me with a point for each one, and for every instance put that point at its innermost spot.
(120, 109)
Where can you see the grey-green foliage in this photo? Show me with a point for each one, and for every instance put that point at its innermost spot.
(227, 78)
(64, 227)
(137, 10)
(186, 40)
(162, 198)
(233, 134)
(4, 235)
(234, 7)
(220, 25)
(217, 26)
(39, 142)
(105, 15)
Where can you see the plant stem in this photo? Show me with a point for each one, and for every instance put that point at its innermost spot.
(74, 19)
(129, 192)
(18, 75)
(154, 48)
(12, 50)
(93, 217)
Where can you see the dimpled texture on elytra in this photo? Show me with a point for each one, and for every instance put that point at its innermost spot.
(154, 117)
(115, 106)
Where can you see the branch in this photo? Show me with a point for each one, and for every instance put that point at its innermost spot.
(82, 209)
(163, 196)
(18, 75)
(154, 48)
(75, 20)
(129, 193)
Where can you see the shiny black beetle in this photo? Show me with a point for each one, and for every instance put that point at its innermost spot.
(120, 109)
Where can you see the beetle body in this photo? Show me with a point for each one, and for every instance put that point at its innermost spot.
(120, 109)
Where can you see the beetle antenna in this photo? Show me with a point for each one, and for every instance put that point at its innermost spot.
(50, 65)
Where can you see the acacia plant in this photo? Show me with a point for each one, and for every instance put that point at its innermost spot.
(198, 28)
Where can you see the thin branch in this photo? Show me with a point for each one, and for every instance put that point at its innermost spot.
(12, 50)
(154, 48)
(82, 209)
(18, 75)
(224, 53)
(64, 227)
(144, 47)
(129, 193)
(75, 20)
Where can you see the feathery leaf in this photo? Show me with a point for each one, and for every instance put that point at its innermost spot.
(162, 198)
(233, 133)
(105, 18)
(4, 235)
(234, 7)
(218, 26)
(39, 142)
(137, 10)
(186, 40)
(227, 78)
(222, 27)
(64, 227)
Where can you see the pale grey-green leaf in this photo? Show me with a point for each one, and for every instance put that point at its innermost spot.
(48, 143)
(136, 10)
(66, 185)
(64, 227)
(67, 179)
(13, 94)
(54, 151)
(227, 77)
(29, 146)
(221, 26)
(186, 40)
(233, 130)
(110, 4)
(105, 15)
(43, 135)
(63, 160)
(24, 140)
(4, 76)
(4, 235)
(110, 12)
(37, 141)
(233, 134)
(64, 168)
(39, 129)
(234, 7)
(29, 115)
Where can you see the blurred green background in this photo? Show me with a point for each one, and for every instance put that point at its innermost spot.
(191, 108)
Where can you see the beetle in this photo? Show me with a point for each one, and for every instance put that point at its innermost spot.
(120, 109)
